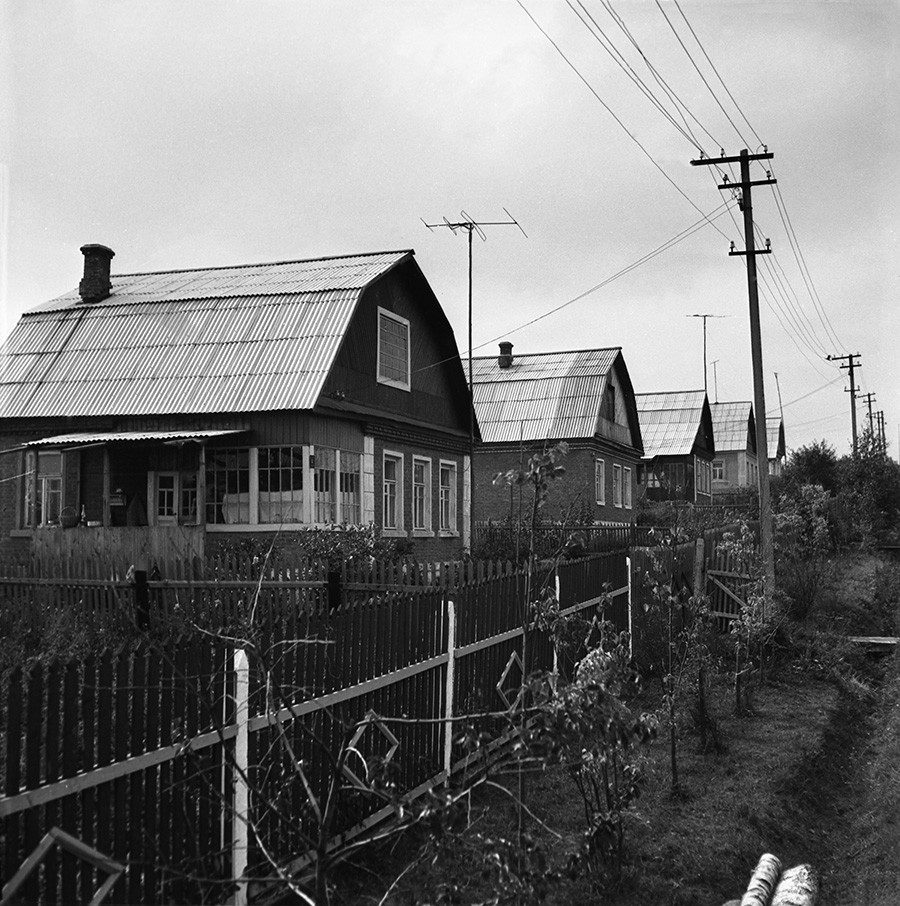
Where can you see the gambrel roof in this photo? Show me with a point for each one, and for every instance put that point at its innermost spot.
(228, 339)
(548, 395)
(673, 422)
(734, 426)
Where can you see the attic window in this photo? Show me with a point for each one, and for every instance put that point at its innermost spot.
(393, 350)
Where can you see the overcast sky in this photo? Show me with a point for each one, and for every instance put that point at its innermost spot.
(199, 134)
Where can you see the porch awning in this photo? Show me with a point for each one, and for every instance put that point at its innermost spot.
(83, 438)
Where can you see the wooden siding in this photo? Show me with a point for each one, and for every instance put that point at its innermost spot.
(438, 395)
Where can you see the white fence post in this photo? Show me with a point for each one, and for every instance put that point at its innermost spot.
(555, 674)
(448, 694)
(240, 827)
(630, 627)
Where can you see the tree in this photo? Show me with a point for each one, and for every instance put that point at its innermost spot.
(815, 463)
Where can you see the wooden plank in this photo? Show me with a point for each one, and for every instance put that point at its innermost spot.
(71, 695)
(52, 748)
(13, 754)
(87, 831)
(120, 785)
(34, 722)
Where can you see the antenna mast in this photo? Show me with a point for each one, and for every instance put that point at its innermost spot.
(469, 225)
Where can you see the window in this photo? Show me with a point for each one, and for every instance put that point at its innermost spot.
(600, 481)
(718, 470)
(448, 496)
(349, 487)
(421, 499)
(43, 492)
(324, 500)
(393, 350)
(617, 485)
(280, 472)
(392, 491)
(627, 488)
(166, 492)
(227, 486)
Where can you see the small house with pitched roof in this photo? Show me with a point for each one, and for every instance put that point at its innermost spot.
(678, 446)
(166, 412)
(735, 465)
(528, 402)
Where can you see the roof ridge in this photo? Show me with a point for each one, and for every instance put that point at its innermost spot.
(228, 267)
(552, 352)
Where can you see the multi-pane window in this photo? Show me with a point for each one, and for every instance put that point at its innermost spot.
(617, 485)
(627, 487)
(187, 498)
(392, 491)
(280, 471)
(718, 469)
(227, 486)
(324, 486)
(350, 487)
(44, 488)
(393, 349)
(448, 496)
(600, 481)
(166, 494)
(421, 494)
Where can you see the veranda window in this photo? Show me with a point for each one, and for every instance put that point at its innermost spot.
(280, 485)
(228, 486)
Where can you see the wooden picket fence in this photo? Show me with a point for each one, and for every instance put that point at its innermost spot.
(180, 761)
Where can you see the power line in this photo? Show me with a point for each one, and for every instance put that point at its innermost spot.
(702, 77)
(716, 71)
(609, 110)
(649, 256)
(833, 381)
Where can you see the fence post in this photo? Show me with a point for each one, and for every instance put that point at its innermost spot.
(555, 654)
(630, 623)
(240, 827)
(448, 694)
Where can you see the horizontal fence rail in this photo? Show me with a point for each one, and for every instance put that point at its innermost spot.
(180, 760)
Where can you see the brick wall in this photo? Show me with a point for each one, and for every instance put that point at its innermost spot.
(567, 495)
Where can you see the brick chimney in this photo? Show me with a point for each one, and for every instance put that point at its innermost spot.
(505, 359)
(95, 285)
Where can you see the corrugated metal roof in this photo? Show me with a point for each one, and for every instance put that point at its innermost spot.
(108, 437)
(255, 338)
(670, 421)
(541, 395)
(730, 425)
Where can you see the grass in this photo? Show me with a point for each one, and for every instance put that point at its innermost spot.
(811, 774)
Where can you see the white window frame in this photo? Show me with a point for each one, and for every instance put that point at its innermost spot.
(617, 486)
(398, 529)
(626, 487)
(452, 528)
(43, 487)
(718, 465)
(426, 528)
(600, 481)
(382, 379)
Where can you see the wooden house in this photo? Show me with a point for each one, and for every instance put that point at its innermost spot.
(527, 403)
(166, 412)
(735, 465)
(775, 446)
(679, 446)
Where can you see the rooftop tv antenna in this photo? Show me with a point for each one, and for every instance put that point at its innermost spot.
(704, 341)
(469, 225)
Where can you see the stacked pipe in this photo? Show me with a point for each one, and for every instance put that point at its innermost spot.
(771, 886)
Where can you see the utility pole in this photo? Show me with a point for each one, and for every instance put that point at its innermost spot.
(469, 225)
(766, 528)
(869, 398)
(850, 366)
(704, 341)
(715, 378)
(882, 438)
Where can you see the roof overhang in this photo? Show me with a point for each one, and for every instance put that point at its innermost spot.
(91, 438)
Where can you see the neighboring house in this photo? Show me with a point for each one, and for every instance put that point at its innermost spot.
(775, 445)
(187, 407)
(678, 446)
(735, 465)
(527, 403)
